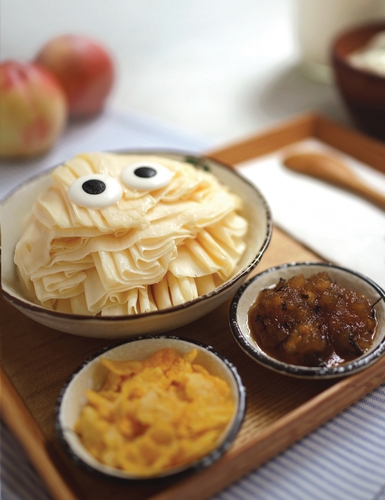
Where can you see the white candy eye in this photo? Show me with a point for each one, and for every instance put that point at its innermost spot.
(95, 191)
(145, 176)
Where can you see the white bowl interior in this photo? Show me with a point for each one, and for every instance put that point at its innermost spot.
(12, 214)
(92, 376)
(15, 208)
(271, 277)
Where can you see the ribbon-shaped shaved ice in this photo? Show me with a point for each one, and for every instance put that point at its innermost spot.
(151, 250)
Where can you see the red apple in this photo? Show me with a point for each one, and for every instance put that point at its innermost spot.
(84, 69)
(33, 110)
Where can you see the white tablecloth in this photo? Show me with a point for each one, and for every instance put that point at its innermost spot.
(342, 460)
(341, 226)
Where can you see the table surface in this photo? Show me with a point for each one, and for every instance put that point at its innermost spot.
(217, 70)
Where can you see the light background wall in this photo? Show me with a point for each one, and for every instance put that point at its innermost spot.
(220, 68)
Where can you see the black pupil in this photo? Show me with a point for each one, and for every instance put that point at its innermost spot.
(94, 186)
(145, 172)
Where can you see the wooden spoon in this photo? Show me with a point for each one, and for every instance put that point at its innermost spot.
(333, 171)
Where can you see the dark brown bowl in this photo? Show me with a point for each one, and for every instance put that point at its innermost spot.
(362, 91)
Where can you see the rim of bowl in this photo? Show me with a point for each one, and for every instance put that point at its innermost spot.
(244, 271)
(341, 57)
(190, 467)
(300, 371)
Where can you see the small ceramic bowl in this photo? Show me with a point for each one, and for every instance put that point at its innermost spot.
(362, 91)
(14, 209)
(91, 375)
(247, 294)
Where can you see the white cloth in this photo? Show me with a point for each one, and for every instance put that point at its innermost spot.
(340, 226)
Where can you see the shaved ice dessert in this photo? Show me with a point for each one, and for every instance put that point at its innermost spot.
(123, 234)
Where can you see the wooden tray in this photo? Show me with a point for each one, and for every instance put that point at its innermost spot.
(36, 362)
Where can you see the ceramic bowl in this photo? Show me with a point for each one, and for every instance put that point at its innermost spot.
(352, 280)
(362, 91)
(18, 204)
(91, 375)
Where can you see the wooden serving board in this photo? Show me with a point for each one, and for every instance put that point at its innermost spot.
(36, 361)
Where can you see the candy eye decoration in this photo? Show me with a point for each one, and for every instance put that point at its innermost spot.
(95, 191)
(145, 176)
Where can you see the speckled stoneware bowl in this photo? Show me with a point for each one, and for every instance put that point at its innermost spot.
(91, 375)
(15, 207)
(248, 293)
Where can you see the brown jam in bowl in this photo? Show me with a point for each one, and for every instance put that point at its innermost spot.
(312, 321)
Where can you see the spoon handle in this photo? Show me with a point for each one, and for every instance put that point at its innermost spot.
(331, 170)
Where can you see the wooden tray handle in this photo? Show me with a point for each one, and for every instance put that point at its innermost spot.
(36, 447)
